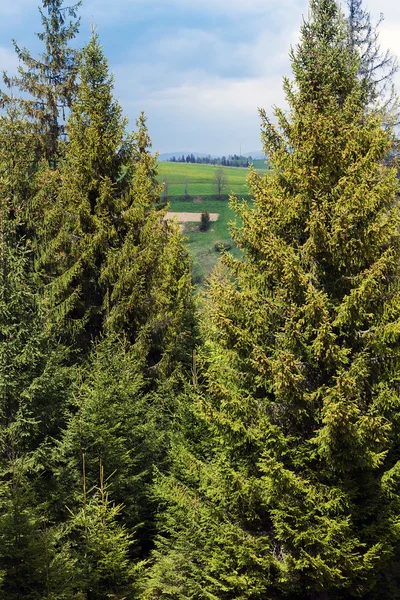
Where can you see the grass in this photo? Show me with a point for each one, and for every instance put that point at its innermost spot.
(203, 246)
(200, 179)
(259, 164)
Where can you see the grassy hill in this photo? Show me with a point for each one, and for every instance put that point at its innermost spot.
(200, 178)
(204, 246)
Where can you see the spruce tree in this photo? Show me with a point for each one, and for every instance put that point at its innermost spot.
(147, 275)
(50, 80)
(119, 298)
(119, 293)
(116, 423)
(101, 546)
(17, 324)
(31, 384)
(83, 219)
(287, 482)
(376, 68)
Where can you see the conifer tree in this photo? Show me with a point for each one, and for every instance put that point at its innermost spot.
(287, 484)
(83, 218)
(376, 68)
(116, 423)
(119, 296)
(30, 383)
(101, 544)
(147, 275)
(50, 80)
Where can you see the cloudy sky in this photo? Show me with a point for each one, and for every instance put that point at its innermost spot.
(198, 68)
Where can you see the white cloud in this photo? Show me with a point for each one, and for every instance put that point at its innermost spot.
(239, 6)
(209, 104)
(389, 37)
(221, 95)
(208, 115)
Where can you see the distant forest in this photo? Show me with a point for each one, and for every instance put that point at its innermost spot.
(233, 160)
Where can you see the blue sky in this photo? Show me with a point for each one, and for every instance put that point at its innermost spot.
(199, 69)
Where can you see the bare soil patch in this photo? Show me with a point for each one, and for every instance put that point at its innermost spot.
(190, 217)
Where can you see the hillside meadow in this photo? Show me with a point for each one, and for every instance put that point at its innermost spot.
(200, 179)
(205, 247)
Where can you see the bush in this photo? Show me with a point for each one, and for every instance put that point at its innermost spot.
(205, 221)
(222, 246)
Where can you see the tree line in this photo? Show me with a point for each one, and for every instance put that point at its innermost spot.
(249, 448)
(233, 160)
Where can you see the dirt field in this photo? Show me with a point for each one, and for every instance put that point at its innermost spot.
(189, 217)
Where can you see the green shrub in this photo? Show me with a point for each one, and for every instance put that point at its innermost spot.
(221, 246)
(205, 221)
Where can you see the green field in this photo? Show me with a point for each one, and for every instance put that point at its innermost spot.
(204, 246)
(200, 179)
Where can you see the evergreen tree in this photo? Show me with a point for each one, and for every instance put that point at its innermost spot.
(287, 483)
(83, 218)
(147, 275)
(123, 282)
(116, 423)
(17, 323)
(120, 278)
(376, 68)
(101, 546)
(31, 384)
(50, 80)
(86, 255)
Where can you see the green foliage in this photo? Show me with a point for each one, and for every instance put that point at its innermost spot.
(269, 465)
(298, 396)
(101, 546)
(147, 276)
(50, 80)
(31, 385)
(115, 422)
(205, 221)
(84, 214)
(95, 312)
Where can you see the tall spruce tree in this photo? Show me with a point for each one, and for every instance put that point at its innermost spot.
(287, 482)
(124, 399)
(119, 296)
(103, 470)
(18, 326)
(50, 80)
(31, 384)
(83, 219)
(115, 423)
(147, 275)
